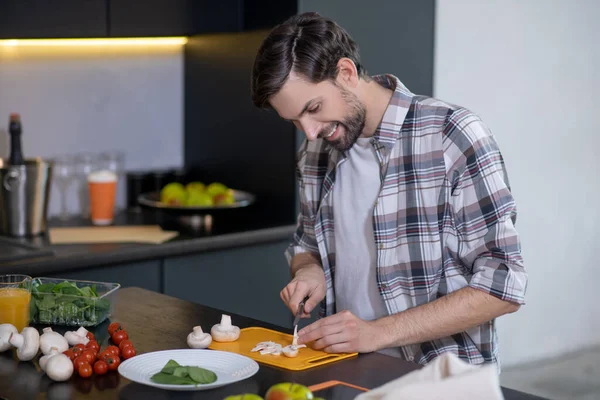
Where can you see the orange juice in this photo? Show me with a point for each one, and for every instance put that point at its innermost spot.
(14, 307)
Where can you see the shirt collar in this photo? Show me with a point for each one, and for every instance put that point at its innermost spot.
(390, 127)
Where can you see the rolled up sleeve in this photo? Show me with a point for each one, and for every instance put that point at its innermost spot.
(485, 215)
(304, 240)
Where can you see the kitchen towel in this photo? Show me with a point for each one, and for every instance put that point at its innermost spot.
(445, 378)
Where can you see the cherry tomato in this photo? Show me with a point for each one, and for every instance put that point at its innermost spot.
(79, 361)
(114, 350)
(128, 352)
(103, 354)
(78, 349)
(118, 336)
(90, 336)
(85, 370)
(69, 353)
(89, 355)
(93, 345)
(100, 367)
(124, 343)
(112, 362)
(115, 326)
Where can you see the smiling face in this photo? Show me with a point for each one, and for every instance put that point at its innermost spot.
(324, 110)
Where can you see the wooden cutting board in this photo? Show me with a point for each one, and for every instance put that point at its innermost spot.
(152, 234)
(250, 337)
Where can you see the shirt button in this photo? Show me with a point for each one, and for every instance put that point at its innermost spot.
(411, 358)
(375, 204)
(380, 245)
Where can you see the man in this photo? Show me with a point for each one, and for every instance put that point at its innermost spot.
(406, 234)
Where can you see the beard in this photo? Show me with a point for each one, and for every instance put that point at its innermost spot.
(352, 124)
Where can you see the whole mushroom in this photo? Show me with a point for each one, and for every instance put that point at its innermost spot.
(59, 367)
(198, 339)
(50, 339)
(44, 359)
(77, 337)
(5, 332)
(225, 331)
(27, 343)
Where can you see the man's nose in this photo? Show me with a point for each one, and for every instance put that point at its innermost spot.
(310, 129)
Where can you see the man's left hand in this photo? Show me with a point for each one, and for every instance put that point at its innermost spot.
(341, 333)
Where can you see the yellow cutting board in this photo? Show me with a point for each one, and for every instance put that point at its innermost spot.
(306, 358)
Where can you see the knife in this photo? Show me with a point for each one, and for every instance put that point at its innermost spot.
(300, 311)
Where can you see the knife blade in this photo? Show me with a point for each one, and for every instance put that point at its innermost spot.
(300, 311)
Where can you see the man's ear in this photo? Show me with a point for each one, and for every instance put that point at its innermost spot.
(347, 73)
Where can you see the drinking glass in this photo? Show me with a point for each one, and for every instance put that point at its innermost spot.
(114, 161)
(86, 163)
(64, 174)
(15, 297)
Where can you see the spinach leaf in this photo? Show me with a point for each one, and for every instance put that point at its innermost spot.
(201, 375)
(181, 372)
(175, 374)
(168, 379)
(169, 367)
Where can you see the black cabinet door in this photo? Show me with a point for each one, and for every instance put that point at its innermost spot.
(135, 18)
(52, 19)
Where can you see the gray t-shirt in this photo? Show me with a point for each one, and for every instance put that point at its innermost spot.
(356, 188)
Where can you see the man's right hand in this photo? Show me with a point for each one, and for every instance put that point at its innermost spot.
(308, 281)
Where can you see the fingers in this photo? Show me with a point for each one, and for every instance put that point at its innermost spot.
(319, 329)
(333, 342)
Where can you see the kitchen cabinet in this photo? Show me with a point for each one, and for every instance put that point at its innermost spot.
(21, 19)
(57, 18)
(131, 18)
(146, 274)
(243, 280)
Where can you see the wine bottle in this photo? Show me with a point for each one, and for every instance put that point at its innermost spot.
(15, 129)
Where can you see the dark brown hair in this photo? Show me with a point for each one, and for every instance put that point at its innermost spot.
(309, 45)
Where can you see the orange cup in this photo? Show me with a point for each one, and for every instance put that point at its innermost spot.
(103, 187)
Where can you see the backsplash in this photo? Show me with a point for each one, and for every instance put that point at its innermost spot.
(92, 100)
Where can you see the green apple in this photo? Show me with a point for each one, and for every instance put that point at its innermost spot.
(195, 186)
(174, 193)
(245, 396)
(199, 199)
(289, 391)
(216, 188)
(224, 198)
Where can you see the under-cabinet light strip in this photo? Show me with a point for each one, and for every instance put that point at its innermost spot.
(141, 41)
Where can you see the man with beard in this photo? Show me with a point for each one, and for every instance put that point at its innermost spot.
(406, 235)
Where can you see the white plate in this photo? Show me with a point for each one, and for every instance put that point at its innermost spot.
(229, 367)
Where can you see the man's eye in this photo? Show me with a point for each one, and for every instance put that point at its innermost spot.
(314, 109)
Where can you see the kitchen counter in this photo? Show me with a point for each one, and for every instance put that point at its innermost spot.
(230, 231)
(158, 322)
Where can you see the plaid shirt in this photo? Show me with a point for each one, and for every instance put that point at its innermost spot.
(443, 220)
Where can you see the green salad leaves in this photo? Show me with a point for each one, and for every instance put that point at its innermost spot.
(67, 304)
(175, 374)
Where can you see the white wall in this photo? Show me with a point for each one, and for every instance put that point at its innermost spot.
(85, 99)
(530, 69)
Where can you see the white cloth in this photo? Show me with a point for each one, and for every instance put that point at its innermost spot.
(446, 378)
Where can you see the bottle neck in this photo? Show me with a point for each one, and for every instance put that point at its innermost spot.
(16, 152)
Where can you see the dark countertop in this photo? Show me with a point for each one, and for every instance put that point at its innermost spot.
(157, 322)
(228, 230)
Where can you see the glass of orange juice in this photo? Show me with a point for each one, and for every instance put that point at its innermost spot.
(15, 296)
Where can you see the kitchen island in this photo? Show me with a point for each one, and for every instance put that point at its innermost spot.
(158, 322)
